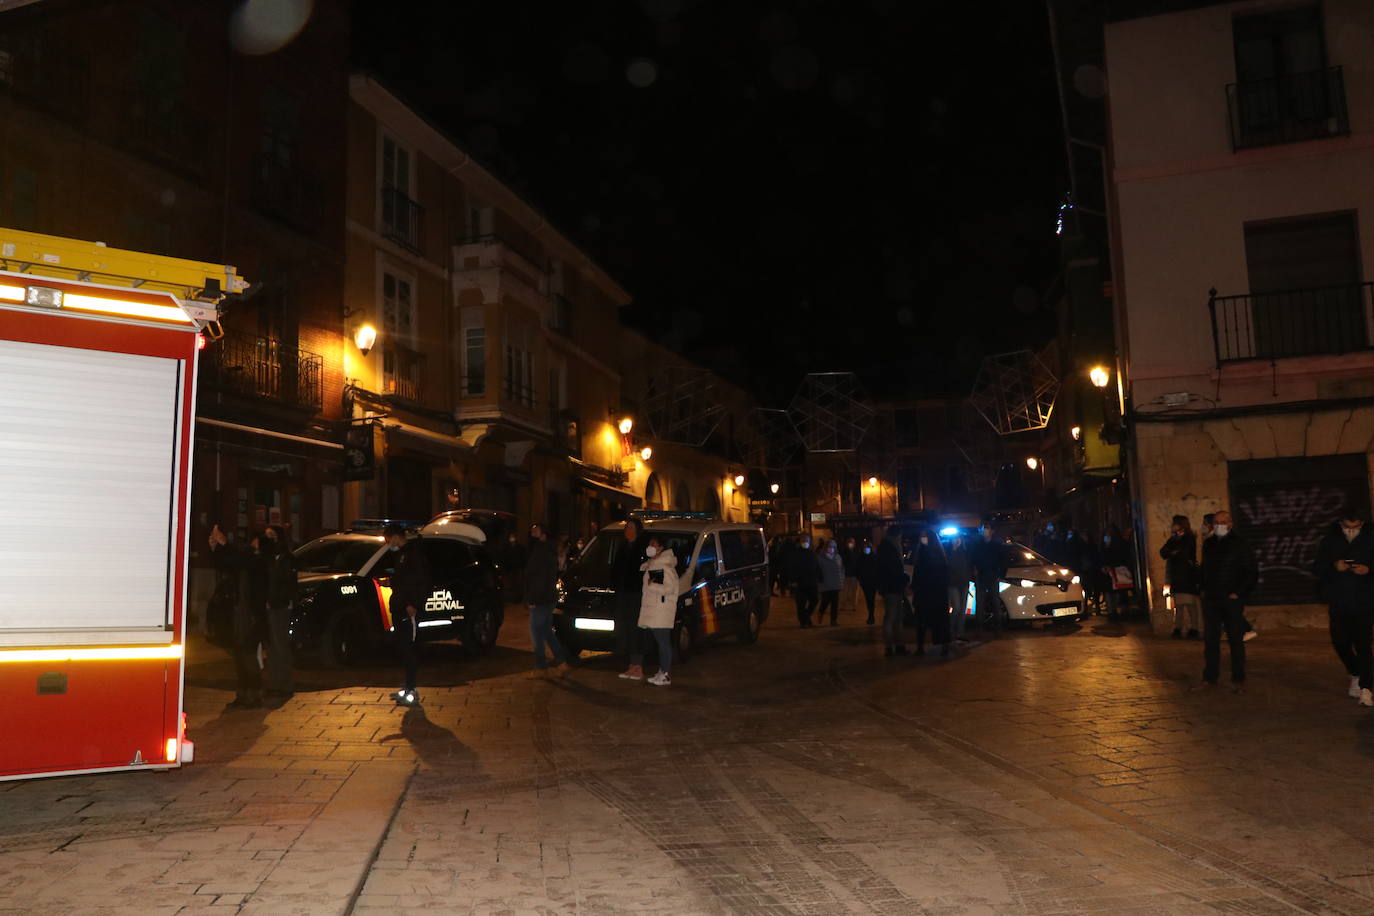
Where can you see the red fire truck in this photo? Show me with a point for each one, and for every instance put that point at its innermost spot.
(98, 354)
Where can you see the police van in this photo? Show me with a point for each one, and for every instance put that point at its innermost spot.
(722, 575)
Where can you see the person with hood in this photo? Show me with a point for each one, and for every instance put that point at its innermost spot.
(411, 584)
(930, 593)
(866, 571)
(628, 582)
(960, 575)
(658, 609)
(989, 568)
(541, 595)
(1229, 574)
(281, 597)
(1344, 562)
(832, 580)
(804, 577)
(892, 584)
(1181, 575)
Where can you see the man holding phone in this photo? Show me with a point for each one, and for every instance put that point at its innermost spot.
(1343, 565)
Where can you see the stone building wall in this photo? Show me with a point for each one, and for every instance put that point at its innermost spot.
(1183, 469)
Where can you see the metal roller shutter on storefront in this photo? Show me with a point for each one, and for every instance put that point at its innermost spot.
(82, 549)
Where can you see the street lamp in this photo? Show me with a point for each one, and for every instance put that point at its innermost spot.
(872, 481)
(365, 338)
(646, 453)
(1077, 433)
(1032, 462)
(774, 488)
(739, 480)
(1099, 376)
(626, 425)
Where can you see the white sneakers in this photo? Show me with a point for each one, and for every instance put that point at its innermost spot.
(663, 680)
(1366, 698)
(1354, 687)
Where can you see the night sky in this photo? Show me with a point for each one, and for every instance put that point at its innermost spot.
(864, 185)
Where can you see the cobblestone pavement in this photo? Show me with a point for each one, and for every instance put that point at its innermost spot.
(1061, 771)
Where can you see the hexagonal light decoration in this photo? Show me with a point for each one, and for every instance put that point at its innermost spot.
(682, 406)
(831, 412)
(1015, 392)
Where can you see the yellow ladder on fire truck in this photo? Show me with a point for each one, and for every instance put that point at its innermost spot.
(199, 284)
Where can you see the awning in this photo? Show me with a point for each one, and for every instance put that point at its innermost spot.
(444, 445)
(605, 492)
(270, 433)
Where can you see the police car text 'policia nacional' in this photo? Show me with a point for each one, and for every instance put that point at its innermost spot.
(343, 609)
(723, 576)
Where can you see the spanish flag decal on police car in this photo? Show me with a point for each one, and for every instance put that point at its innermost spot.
(709, 624)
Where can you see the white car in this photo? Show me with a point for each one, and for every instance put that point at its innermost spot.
(1034, 589)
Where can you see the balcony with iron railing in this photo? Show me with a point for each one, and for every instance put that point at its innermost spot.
(259, 367)
(402, 219)
(1325, 321)
(1288, 109)
(403, 372)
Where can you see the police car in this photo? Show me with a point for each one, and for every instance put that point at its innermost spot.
(343, 593)
(723, 577)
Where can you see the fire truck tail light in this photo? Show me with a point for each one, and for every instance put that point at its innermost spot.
(12, 293)
(93, 653)
(171, 750)
(86, 303)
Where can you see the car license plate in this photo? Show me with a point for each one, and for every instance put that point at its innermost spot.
(1065, 611)
(593, 623)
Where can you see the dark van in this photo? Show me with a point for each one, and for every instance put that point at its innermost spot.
(722, 568)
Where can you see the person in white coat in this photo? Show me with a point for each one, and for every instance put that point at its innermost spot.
(658, 608)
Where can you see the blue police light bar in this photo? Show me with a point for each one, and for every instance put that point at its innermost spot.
(948, 531)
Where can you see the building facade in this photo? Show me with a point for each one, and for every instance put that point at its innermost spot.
(1241, 164)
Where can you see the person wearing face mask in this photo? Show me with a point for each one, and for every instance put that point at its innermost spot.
(1181, 575)
(866, 572)
(1114, 562)
(1344, 562)
(804, 578)
(960, 575)
(1229, 574)
(1208, 529)
(658, 607)
(989, 568)
(930, 593)
(892, 584)
(832, 580)
(411, 584)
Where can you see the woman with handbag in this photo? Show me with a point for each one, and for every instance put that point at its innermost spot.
(658, 607)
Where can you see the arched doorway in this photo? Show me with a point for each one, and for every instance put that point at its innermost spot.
(653, 493)
(682, 497)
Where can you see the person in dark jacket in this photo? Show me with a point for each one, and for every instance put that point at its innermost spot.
(1113, 557)
(804, 578)
(1344, 562)
(866, 571)
(892, 585)
(960, 575)
(628, 582)
(930, 593)
(989, 568)
(411, 585)
(832, 581)
(281, 597)
(1229, 574)
(1181, 575)
(236, 569)
(541, 595)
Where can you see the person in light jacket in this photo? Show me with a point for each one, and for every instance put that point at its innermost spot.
(658, 608)
(832, 580)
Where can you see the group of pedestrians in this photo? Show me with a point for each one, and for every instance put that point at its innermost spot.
(257, 579)
(932, 598)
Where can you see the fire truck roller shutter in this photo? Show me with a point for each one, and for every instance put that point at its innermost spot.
(87, 470)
